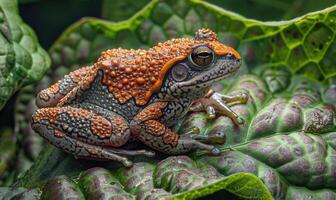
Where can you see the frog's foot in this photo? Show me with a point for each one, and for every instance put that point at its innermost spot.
(214, 103)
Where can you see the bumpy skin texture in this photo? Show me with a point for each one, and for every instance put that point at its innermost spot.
(137, 94)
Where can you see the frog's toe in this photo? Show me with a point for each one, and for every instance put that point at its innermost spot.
(125, 152)
(240, 120)
(211, 112)
(126, 162)
(196, 107)
(199, 137)
(244, 97)
(209, 139)
(215, 151)
(148, 153)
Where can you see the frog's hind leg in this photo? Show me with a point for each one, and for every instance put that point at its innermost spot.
(85, 134)
(61, 91)
(80, 149)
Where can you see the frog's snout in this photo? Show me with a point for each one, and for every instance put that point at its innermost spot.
(231, 56)
(232, 62)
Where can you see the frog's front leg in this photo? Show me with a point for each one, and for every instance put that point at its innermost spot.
(214, 102)
(85, 134)
(148, 129)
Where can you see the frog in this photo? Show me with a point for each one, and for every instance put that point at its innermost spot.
(139, 94)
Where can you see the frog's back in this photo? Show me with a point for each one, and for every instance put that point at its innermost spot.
(138, 74)
(98, 99)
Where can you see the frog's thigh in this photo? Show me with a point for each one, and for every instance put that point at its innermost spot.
(81, 125)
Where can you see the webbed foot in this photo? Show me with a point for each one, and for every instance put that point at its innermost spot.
(214, 103)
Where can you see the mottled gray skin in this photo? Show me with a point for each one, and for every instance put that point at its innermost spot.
(78, 138)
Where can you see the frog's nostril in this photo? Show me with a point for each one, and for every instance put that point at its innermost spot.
(230, 56)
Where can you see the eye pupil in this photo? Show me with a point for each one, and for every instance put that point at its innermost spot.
(202, 56)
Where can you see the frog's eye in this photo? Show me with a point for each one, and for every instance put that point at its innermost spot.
(201, 56)
(180, 72)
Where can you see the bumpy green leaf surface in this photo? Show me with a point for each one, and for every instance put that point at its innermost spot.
(8, 148)
(304, 45)
(288, 139)
(22, 60)
(252, 188)
(176, 177)
(273, 10)
(29, 142)
(121, 10)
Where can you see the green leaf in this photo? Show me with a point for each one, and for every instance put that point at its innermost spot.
(276, 80)
(121, 10)
(288, 136)
(61, 188)
(287, 141)
(27, 1)
(99, 182)
(9, 193)
(23, 61)
(244, 185)
(7, 146)
(175, 177)
(7, 155)
(274, 10)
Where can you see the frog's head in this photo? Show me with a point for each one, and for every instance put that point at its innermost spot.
(208, 61)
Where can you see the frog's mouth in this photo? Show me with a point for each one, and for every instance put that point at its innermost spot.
(223, 68)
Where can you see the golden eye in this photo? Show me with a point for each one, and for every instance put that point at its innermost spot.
(201, 56)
